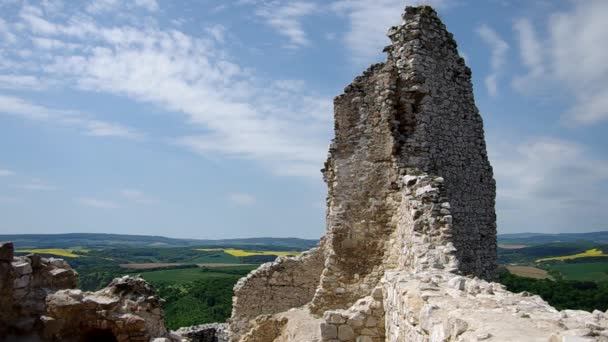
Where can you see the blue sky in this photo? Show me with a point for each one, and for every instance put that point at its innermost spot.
(211, 119)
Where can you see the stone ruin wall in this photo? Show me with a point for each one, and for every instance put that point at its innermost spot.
(415, 113)
(39, 302)
(277, 286)
(24, 284)
(411, 224)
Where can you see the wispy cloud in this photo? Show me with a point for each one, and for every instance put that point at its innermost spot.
(19, 107)
(241, 199)
(136, 196)
(5, 172)
(499, 50)
(27, 82)
(550, 183)
(286, 19)
(102, 6)
(368, 22)
(97, 203)
(579, 58)
(531, 54)
(231, 111)
(570, 59)
(35, 186)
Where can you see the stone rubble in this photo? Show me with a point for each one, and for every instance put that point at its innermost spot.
(213, 332)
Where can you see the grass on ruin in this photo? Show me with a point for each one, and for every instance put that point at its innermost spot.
(62, 252)
(244, 253)
(591, 253)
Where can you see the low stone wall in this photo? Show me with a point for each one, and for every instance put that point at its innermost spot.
(362, 322)
(286, 283)
(439, 306)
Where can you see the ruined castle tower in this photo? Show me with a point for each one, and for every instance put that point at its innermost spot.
(413, 113)
(411, 116)
(411, 226)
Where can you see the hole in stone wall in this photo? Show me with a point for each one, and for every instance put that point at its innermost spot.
(99, 335)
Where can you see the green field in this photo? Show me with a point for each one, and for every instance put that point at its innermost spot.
(180, 276)
(583, 271)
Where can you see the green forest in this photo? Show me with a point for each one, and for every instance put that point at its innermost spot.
(562, 294)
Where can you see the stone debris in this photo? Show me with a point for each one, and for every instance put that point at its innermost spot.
(128, 308)
(410, 248)
(214, 332)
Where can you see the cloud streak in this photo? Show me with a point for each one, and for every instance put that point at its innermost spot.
(19, 107)
(549, 182)
(231, 111)
(97, 203)
(499, 50)
(286, 20)
(241, 199)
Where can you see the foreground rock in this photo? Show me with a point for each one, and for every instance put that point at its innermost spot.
(128, 309)
(410, 248)
(40, 302)
(214, 332)
(24, 284)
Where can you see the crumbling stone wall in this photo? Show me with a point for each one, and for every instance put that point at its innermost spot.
(286, 283)
(128, 309)
(25, 281)
(413, 112)
(39, 302)
(411, 230)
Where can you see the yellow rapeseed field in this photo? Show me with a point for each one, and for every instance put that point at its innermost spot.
(590, 253)
(69, 253)
(243, 253)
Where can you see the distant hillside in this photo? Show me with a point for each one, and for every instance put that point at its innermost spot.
(119, 240)
(538, 238)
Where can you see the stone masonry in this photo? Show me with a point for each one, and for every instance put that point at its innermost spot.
(39, 302)
(288, 282)
(410, 248)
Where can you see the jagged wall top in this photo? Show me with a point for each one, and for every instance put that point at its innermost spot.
(413, 113)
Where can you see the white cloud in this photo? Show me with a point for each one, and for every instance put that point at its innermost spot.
(35, 186)
(5, 172)
(571, 60)
(231, 110)
(579, 58)
(531, 53)
(368, 22)
(241, 199)
(136, 196)
(548, 183)
(102, 6)
(97, 203)
(19, 107)
(286, 19)
(499, 54)
(25, 82)
(5, 33)
(150, 5)
(7, 199)
(218, 32)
